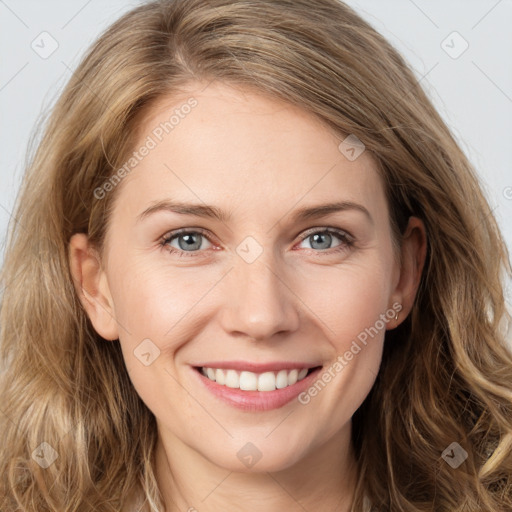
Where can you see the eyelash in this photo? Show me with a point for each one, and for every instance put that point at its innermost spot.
(346, 239)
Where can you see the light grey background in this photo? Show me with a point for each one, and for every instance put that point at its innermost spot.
(472, 91)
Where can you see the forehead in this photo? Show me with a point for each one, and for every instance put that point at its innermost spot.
(245, 150)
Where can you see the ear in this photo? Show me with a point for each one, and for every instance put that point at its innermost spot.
(91, 285)
(413, 253)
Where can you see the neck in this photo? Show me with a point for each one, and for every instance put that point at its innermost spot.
(323, 480)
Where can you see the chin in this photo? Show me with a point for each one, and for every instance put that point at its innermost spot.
(249, 458)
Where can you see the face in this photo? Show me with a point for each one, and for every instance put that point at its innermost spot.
(252, 281)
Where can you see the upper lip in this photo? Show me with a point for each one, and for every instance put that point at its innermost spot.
(274, 366)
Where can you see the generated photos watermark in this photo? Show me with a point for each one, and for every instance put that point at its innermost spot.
(343, 360)
(151, 142)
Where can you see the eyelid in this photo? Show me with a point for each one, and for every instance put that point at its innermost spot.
(171, 234)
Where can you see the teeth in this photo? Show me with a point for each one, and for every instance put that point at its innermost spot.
(249, 381)
(282, 379)
(232, 379)
(219, 377)
(266, 381)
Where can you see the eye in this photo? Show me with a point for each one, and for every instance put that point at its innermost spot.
(187, 240)
(321, 239)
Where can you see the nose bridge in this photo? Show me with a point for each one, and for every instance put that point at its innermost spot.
(260, 302)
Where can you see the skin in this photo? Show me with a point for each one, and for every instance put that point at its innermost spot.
(260, 160)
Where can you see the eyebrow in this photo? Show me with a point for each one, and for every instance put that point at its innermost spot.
(209, 211)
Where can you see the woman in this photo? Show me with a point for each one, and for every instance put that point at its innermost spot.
(255, 370)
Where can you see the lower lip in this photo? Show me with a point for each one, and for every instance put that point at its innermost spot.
(257, 400)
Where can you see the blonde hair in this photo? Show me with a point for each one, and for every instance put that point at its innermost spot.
(446, 373)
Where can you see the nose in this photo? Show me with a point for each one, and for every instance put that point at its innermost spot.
(260, 302)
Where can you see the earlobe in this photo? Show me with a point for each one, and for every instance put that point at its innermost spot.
(92, 287)
(413, 255)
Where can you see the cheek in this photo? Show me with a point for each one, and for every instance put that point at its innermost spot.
(159, 301)
(348, 298)
(154, 306)
(351, 303)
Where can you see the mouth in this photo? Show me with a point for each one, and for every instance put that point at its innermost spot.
(256, 391)
(252, 381)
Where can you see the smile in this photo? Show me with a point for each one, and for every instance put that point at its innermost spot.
(250, 381)
(265, 389)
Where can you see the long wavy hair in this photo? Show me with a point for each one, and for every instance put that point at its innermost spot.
(446, 373)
